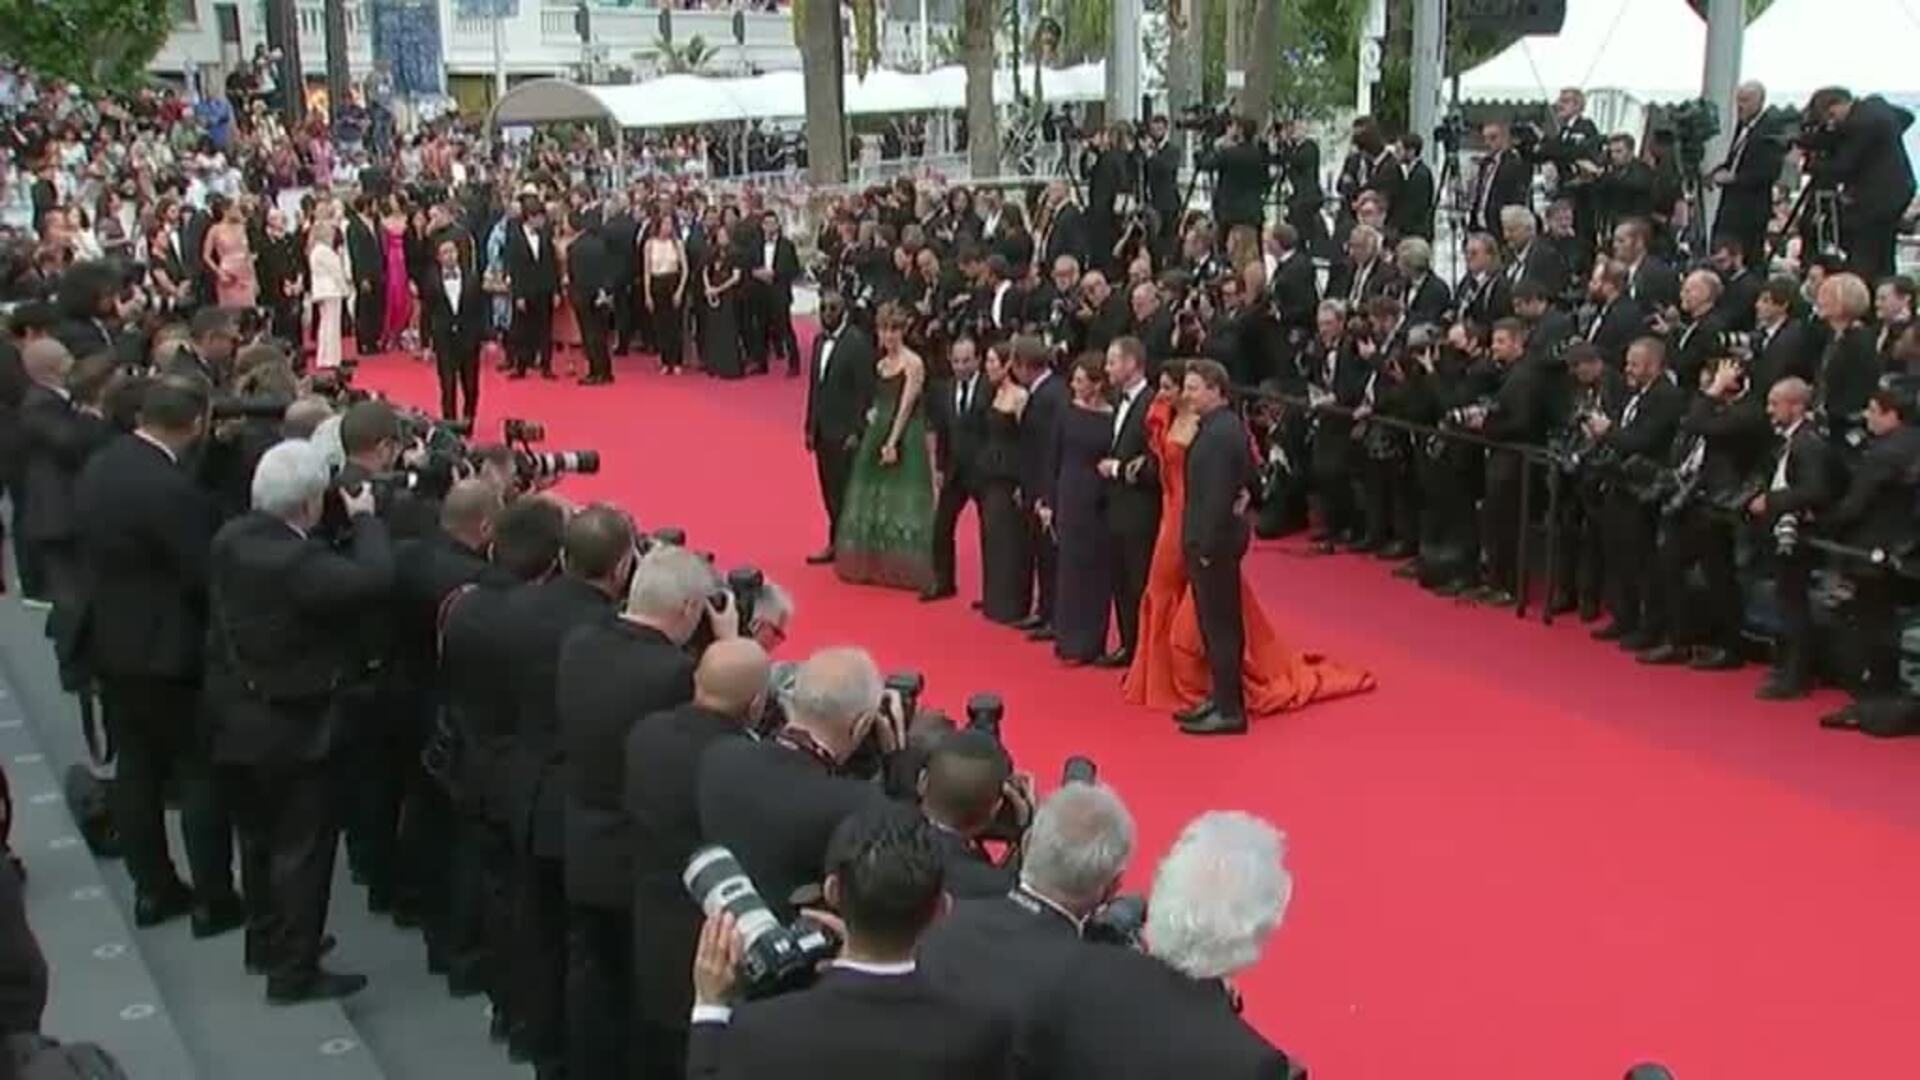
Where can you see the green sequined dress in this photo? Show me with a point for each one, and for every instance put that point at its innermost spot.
(885, 536)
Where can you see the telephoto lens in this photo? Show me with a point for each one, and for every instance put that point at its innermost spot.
(774, 956)
(535, 465)
(984, 713)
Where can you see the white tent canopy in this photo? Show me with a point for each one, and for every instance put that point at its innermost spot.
(678, 100)
(1799, 46)
(1648, 50)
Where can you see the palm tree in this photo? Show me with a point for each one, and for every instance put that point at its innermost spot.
(1264, 50)
(816, 25)
(685, 59)
(978, 19)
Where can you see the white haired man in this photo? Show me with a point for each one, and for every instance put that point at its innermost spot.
(284, 607)
(1168, 1012)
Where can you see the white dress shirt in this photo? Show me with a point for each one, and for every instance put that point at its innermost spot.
(1127, 398)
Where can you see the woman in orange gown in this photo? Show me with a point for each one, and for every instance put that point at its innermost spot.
(1169, 671)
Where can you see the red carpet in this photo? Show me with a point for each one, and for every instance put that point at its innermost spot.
(1523, 856)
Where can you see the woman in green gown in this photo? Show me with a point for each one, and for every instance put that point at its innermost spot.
(885, 535)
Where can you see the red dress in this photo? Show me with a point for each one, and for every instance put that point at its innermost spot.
(1169, 669)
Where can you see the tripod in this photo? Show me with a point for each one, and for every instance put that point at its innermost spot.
(1818, 204)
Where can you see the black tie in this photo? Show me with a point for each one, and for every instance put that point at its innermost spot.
(966, 395)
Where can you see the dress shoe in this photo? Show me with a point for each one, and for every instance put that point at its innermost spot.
(1119, 658)
(1365, 546)
(1635, 641)
(1324, 536)
(1040, 633)
(1188, 716)
(516, 374)
(155, 908)
(1662, 655)
(1613, 631)
(1714, 659)
(1449, 589)
(1842, 718)
(1589, 610)
(1493, 597)
(1409, 570)
(315, 986)
(1395, 551)
(1781, 686)
(1561, 605)
(1031, 622)
(216, 917)
(1323, 547)
(935, 595)
(821, 557)
(1216, 723)
(257, 957)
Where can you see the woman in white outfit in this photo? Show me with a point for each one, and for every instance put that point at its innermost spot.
(330, 288)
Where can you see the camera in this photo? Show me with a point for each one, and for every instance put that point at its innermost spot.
(776, 956)
(514, 429)
(536, 466)
(984, 713)
(1526, 137)
(1458, 416)
(1450, 132)
(1211, 121)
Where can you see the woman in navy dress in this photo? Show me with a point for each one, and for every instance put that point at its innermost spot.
(1084, 593)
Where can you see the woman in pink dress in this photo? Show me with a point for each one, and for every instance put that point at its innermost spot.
(399, 298)
(229, 257)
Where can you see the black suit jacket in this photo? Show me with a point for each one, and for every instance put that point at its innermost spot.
(1616, 326)
(284, 613)
(1869, 161)
(1849, 371)
(970, 873)
(1654, 284)
(1809, 478)
(1118, 1014)
(612, 674)
(663, 754)
(478, 648)
(146, 531)
(1690, 344)
(1788, 350)
(1380, 279)
(837, 405)
(1427, 300)
(1508, 183)
(959, 437)
(56, 439)
(1300, 164)
(1411, 213)
(1654, 421)
(1541, 264)
(1295, 290)
(1877, 509)
(1161, 168)
(1133, 506)
(1219, 468)
(1066, 235)
(786, 270)
(530, 275)
(365, 257)
(776, 808)
(1006, 952)
(591, 270)
(1039, 435)
(543, 613)
(853, 1024)
(456, 333)
(1484, 300)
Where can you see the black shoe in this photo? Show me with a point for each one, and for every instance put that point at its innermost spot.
(1662, 656)
(1714, 659)
(1589, 610)
(821, 557)
(1188, 716)
(1031, 622)
(1493, 597)
(1323, 547)
(1613, 631)
(1119, 658)
(317, 986)
(935, 595)
(516, 373)
(1635, 641)
(1040, 633)
(1365, 546)
(257, 963)
(1561, 605)
(1395, 551)
(154, 909)
(216, 917)
(1843, 719)
(1216, 723)
(1409, 570)
(1449, 589)
(1781, 686)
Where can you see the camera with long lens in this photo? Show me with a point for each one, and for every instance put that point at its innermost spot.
(1459, 415)
(905, 687)
(1211, 121)
(744, 585)
(775, 956)
(516, 430)
(546, 466)
(1450, 132)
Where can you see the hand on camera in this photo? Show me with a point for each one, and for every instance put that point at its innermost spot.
(359, 502)
(716, 962)
(890, 723)
(723, 615)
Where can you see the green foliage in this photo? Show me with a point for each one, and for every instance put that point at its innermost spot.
(100, 44)
(685, 59)
(1083, 28)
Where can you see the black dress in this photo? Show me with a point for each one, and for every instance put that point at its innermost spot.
(720, 326)
(1004, 559)
(1085, 584)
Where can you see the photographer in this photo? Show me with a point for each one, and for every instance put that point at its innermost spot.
(56, 439)
(283, 611)
(1528, 259)
(1389, 500)
(213, 337)
(1695, 329)
(1640, 435)
(1799, 488)
(1592, 397)
(1876, 513)
(1410, 213)
(1849, 370)
(1482, 296)
(1427, 297)
(1747, 174)
(1108, 177)
(1337, 377)
(1782, 343)
(1515, 412)
(1861, 155)
(1160, 180)
(775, 803)
(967, 780)
(1573, 146)
(1008, 950)
(1615, 320)
(1365, 273)
(872, 1011)
(663, 752)
(611, 674)
(1168, 1012)
(1503, 178)
(1299, 160)
(1102, 315)
(1239, 164)
(1623, 191)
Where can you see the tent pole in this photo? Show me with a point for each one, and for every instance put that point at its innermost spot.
(1726, 26)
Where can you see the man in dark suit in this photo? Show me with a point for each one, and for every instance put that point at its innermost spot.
(840, 381)
(1651, 282)
(1299, 159)
(957, 411)
(871, 1005)
(283, 610)
(1214, 536)
(621, 232)
(145, 533)
(773, 266)
(1642, 431)
(1782, 343)
(1152, 323)
(590, 286)
(1528, 259)
(1504, 178)
(533, 279)
(1877, 512)
(1867, 161)
(1293, 284)
(1800, 485)
(597, 555)
(56, 438)
(367, 260)
(1166, 1011)
(1411, 211)
(1365, 272)
(1108, 173)
(1103, 313)
(1740, 283)
(962, 789)
(1747, 174)
(1618, 319)
(1482, 296)
(1624, 190)
(1063, 230)
(1132, 483)
(775, 802)
(1039, 427)
(1517, 413)
(457, 311)
(663, 754)
(478, 647)
(612, 674)
(1160, 179)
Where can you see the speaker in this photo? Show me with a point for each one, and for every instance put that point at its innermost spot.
(1526, 16)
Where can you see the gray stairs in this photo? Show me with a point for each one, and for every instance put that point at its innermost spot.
(171, 1007)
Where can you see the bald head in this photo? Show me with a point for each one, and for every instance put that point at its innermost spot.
(733, 674)
(46, 362)
(304, 416)
(468, 512)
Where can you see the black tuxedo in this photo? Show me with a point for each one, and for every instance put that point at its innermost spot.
(1427, 300)
(146, 532)
(1160, 168)
(775, 807)
(1001, 306)
(591, 283)
(533, 278)
(622, 235)
(770, 303)
(1504, 180)
(367, 261)
(1358, 284)
(1849, 371)
(1119, 1014)
(1644, 427)
(970, 873)
(1617, 325)
(1869, 164)
(1876, 512)
(1654, 284)
(1005, 952)
(56, 439)
(1156, 335)
(455, 333)
(1485, 300)
(1109, 320)
(1691, 344)
(1411, 212)
(1065, 235)
(1132, 512)
(837, 406)
(663, 755)
(1214, 535)
(854, 1024)
(1540, 264)
(1039, 455)
(1736, 299)
(1788, 349)
(960, 435)
(1295, 291)
(1802, 469)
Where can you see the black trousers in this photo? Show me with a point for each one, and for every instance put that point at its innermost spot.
(369, 313)
(1134, 556)
(593, 338)
(1389, 501)
(955, 494)
(538, 1003)
(285, 317)
(1631, 572)
(155, 724)
(668, 321)
(660, 1052)
(1046, 565)
(1501, 510)
(626, 304)
(1449, 530)
(1792, 572)
(1870, 245)
(532, 333)
(599, 993)
(1873, 614)
(479, 929)
(287, 839)
(1216, 603)
(832, 466)
(384, 755)
(1694, 538)
(459, 371)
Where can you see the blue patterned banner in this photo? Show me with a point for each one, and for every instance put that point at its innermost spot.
(406, 34)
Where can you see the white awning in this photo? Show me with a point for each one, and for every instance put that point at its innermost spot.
(1651, 50)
